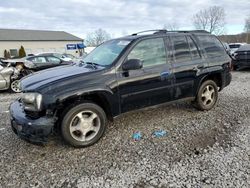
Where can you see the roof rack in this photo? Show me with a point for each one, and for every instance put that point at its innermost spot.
(162, 31)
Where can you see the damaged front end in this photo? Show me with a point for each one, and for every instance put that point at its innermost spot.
(36, 130)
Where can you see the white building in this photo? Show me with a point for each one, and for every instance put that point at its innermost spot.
(37, 41)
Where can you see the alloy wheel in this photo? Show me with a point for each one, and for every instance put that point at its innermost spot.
(15, 86)
(85, 126)
(208, 95)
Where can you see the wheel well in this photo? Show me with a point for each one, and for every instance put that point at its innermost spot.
(98, 99)
(215, 77)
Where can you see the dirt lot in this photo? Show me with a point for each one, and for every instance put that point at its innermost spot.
(201, 149)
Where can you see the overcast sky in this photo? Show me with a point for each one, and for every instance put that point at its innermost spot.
(117, 17)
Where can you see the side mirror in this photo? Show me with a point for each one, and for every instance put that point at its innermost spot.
(132, 64)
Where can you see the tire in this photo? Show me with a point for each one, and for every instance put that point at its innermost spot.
(83, 125)
(15, 86)
(207, 96)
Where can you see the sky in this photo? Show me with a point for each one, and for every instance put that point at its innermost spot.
(117, 17)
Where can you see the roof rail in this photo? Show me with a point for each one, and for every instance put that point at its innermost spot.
(162, 31)
(153, 30)
(190, 31)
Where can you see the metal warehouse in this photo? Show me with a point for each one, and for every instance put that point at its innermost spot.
(37, 41)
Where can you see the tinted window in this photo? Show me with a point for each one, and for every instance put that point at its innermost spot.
(53, 60)
(181, 49)
(212, 45)
(151, 52)
(234, 45)
(193, 48)
(39, 60)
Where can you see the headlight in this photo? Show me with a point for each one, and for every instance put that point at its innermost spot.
(32, 101)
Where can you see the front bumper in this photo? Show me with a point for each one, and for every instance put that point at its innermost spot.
(33, 130)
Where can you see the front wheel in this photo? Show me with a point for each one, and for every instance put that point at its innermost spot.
(15, 86)
(207, 95)
(83, 125)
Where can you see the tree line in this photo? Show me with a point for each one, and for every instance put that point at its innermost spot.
(212, 20)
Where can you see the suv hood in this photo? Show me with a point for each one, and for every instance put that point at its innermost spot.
(48, 76)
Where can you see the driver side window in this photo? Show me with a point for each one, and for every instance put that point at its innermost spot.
(150, 51)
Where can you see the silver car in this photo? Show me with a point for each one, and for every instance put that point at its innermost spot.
(9, 78)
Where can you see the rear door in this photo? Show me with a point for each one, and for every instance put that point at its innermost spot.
(53, 61)
(151, 85)
(187, 65)
(39, 62)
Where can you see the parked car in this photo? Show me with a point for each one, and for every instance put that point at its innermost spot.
(38, 62)
(18, 68)
(119, 76)
(234, 47)
(58, 55)
(10, 77)
(242, 57)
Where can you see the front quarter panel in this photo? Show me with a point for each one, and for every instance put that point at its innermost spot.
(102, 83)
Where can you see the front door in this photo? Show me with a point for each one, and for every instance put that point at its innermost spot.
(150, 85)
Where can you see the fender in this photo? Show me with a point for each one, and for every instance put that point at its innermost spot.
(216, 71)
(104, 92)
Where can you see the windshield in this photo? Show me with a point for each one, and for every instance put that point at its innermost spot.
(106, 53)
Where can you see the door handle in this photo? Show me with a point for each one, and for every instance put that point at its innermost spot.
(164, 75)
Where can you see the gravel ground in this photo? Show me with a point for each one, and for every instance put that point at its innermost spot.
(201, 149)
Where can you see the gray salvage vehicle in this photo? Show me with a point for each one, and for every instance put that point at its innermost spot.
(9, 77)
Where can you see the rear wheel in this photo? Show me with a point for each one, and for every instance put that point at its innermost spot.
(207, 95)
(83, 125)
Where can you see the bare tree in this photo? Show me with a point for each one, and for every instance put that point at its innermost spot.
(247, 25)
(247, 29)
(97, 37)
(211, 19)
(173, 26)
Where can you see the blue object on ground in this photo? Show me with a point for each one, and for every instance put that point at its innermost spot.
(159, 133)
(137, 136)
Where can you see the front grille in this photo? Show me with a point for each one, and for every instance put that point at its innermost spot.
(34, 114)
(31, 114)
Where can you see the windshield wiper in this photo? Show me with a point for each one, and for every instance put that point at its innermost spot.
(94, 65)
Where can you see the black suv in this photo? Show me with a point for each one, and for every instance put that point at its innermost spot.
(121, 75)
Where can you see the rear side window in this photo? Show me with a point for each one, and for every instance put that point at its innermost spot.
(193, 48)
(212, 45)
(53, 59)
(39, 60)
(181, 49)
